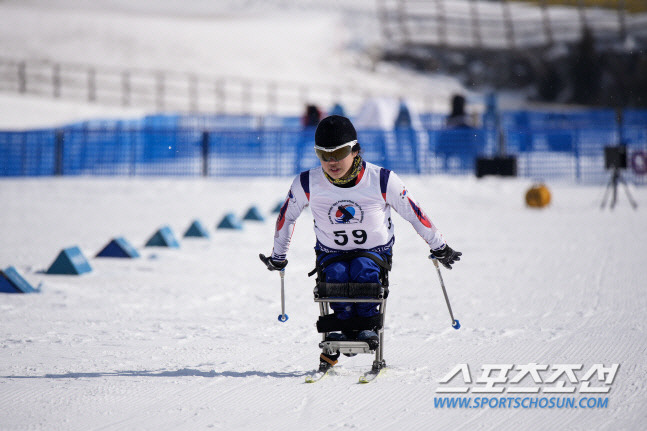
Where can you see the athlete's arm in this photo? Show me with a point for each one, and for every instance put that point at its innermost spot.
(399, 198)
(294, 204)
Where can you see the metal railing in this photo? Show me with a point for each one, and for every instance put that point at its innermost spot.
(164, 91)
(504, 24)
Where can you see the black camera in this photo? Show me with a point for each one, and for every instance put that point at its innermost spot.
(615, 157)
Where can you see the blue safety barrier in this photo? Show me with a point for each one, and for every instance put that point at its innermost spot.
(546, 144)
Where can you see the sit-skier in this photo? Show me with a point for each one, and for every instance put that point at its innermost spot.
(350, 200)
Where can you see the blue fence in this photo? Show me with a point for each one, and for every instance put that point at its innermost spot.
(547, 146)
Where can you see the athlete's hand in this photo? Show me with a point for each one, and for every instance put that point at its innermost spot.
(446, 256)
(272, 264)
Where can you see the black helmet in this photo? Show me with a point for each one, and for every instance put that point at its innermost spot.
(334, 131)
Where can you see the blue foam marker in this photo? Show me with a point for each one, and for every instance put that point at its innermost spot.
(253, 214)
(119, 247)
(6, 286)
(277, 208)
(12, 282)
(196, 230)
(230, 221)
(70, 261)
(164, 237)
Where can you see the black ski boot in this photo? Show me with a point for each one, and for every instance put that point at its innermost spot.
(327, 361)
(370, 337)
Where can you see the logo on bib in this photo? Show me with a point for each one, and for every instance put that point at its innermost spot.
(345, 212)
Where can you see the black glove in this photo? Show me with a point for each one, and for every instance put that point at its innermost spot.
(446, 256)
(273, 265)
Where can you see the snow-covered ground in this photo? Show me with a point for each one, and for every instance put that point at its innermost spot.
(189, 338)
(324, 46)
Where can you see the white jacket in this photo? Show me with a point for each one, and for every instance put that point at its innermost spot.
(354, 218)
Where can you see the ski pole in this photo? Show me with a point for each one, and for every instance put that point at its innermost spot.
(455, 323)
(282, 317)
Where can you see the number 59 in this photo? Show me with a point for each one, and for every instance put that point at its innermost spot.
(342, 237)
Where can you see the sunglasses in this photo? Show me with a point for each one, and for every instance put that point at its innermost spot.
(337, 153)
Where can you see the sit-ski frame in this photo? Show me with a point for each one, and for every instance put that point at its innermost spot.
(354, 347)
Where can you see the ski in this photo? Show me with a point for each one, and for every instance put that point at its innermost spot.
(317, 375)
(369, 376)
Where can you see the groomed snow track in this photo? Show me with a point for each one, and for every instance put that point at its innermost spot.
(188, 338)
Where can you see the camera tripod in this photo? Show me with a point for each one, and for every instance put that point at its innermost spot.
(616, 177)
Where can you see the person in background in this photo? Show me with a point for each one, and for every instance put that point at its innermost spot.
(458, 118)
(338, 109)
(312, 116)
(403, 120)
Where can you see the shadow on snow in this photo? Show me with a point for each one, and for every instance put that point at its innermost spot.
(184, 372)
